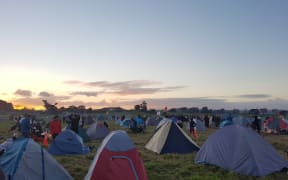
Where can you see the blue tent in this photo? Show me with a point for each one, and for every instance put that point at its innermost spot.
(126, 123)
(118, 121)
(68, 142)
(139, 121)
(241, 150)
(226, 123)
(200, 126)
(170, 138)
(243, 121)
(26, 159)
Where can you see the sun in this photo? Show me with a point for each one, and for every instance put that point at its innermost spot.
(21, 107)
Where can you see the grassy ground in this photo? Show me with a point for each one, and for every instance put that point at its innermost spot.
(169, 166)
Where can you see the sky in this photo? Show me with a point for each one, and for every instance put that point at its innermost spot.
(170, 53)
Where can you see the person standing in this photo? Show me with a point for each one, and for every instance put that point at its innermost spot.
(25, 126)
(75, 118)
(55, 126)
(193, 130)
(256, 124)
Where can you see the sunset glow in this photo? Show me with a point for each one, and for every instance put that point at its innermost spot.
(168, 53)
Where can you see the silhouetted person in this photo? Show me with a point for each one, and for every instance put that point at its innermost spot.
(206, 121)
(75, 122)
(256, 124)
(105, 124)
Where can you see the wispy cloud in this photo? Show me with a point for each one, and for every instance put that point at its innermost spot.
(254, 96)
(124, 88)
(85, 93)
(73, 82)
(121, 84)
(24, 93)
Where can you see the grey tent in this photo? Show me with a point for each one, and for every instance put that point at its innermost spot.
(241, 150)
(97, 131)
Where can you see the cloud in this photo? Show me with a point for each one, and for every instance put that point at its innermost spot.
(121, 84)
(73, 82)
(45, 94)
(24, 93)
(254, 96)
(159, 103)
(134, 87)
(86, 93)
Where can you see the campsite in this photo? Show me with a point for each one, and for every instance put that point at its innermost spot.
(157, 165)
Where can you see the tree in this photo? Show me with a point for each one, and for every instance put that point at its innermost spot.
(137, 107)
(143, 106)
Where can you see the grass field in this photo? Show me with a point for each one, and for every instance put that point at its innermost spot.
(169, 166)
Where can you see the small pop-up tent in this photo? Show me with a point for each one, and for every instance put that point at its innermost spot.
(26, 159)
(68, 142)
(97, 131)
(117, 158)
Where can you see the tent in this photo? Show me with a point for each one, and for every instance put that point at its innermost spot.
(200, 126)
(118, 121)
(151, 121)
(283, 125)
(89, 120)
(170, 138)
(226, 123)
(97, 131)
(242, 121)
(117, 158)
(26, 159)
(68, 142)
(2, 176)
(82, 133)
(140, 121)
(273, 123)
(241, 150)
(162, 122)
(126, 123)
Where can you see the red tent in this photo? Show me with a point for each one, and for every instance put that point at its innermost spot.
(117, 158)
(283, 125)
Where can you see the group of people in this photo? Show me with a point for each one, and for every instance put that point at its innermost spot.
(29, 127)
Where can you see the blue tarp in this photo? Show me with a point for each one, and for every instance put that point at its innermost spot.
(241, 150)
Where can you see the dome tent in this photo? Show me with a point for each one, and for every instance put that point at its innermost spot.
(97, 131)
(26, 159)
(117, 158)
(68, 142)
(241, 150)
